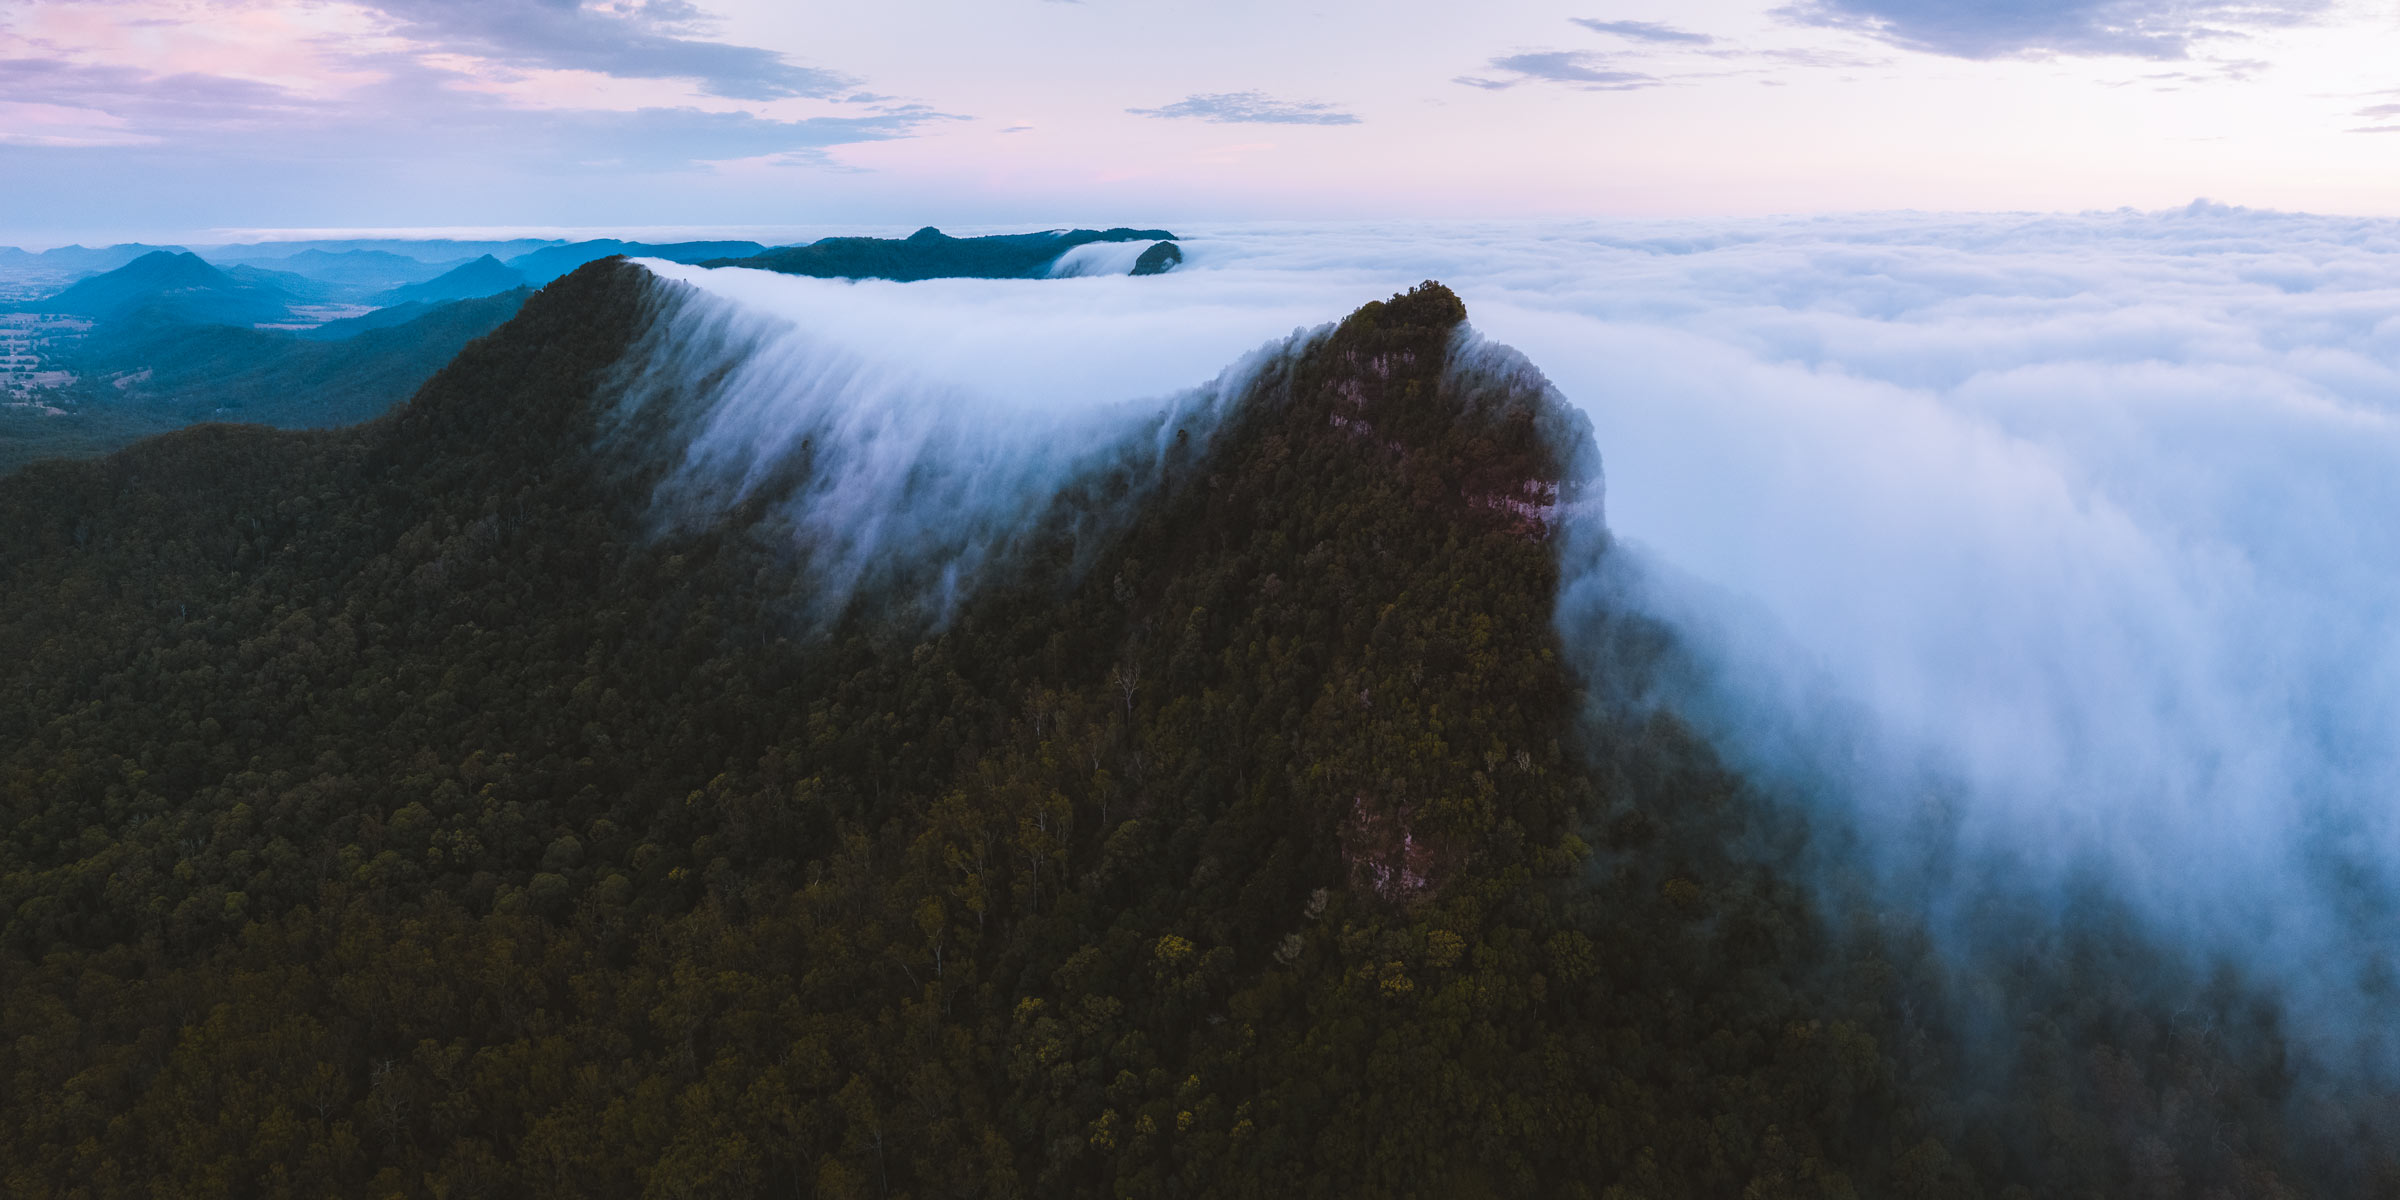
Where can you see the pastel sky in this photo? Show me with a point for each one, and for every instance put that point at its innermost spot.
(191, 118)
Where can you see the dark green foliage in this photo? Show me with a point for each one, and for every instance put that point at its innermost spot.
(1159, 259)
(387, 814)
(931, 254)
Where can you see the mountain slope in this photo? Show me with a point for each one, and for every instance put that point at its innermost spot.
(931, 254)
(395, 811)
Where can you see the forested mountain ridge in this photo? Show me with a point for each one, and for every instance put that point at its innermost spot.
(390, 811)
(931, 254)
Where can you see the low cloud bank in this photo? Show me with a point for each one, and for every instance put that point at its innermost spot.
(2075, 532)
(2055, 552)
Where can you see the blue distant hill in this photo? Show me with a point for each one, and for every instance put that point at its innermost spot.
(484, 276)
(375, 270)
(173, 286)
(77, 260)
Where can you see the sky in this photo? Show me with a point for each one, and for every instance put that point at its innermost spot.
(204, 120)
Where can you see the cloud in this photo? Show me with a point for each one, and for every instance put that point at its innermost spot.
(937, 419)
(415, 113)
(2380, 118)
(1249, 108)
(409, 121)
(676, 138)
(649, 39)
(1646, 31)
(2069, 531)
(2165, 30)
(144, 102)
(1573, 68)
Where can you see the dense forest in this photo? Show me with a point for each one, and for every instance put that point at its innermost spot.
(392, 811)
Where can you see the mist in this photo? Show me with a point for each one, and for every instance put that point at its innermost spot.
(905, 435)
(2075, 530)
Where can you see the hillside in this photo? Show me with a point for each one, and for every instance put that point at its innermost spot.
(931, 254)
(394, 811)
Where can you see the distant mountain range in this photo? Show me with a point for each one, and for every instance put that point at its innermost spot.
(173, 286)
(441, 252)
(396, 271)
(375, 269)
(484, 276)
(336, 332)
(77, 259)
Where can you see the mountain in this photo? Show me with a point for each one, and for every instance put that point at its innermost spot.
(376, 270)
(88, 260)
(931, 254)
(543, 265)
(405, 810)
(484, 276)
(444, 252)
(300, 288)
(1159, 259)
(144, 378)
(168, 285)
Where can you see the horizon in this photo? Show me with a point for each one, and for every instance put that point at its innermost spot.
(224, 238)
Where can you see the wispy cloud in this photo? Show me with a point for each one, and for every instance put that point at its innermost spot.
(427, 82)
(652, 39)
(1572, 68)
(1645, 31)
(1249, 108)
(144, 100)
(2378, 118)
(2163, 30)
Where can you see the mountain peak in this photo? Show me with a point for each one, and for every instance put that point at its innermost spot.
(175, 284)
(478, 277)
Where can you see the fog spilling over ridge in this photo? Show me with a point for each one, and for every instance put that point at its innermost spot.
(923, 425)
(2055, 550)
(2072, 532)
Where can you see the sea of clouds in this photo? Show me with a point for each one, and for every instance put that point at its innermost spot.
(2087, 525)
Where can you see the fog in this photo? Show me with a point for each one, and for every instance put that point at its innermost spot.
(2077, 529)
(934, 419)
